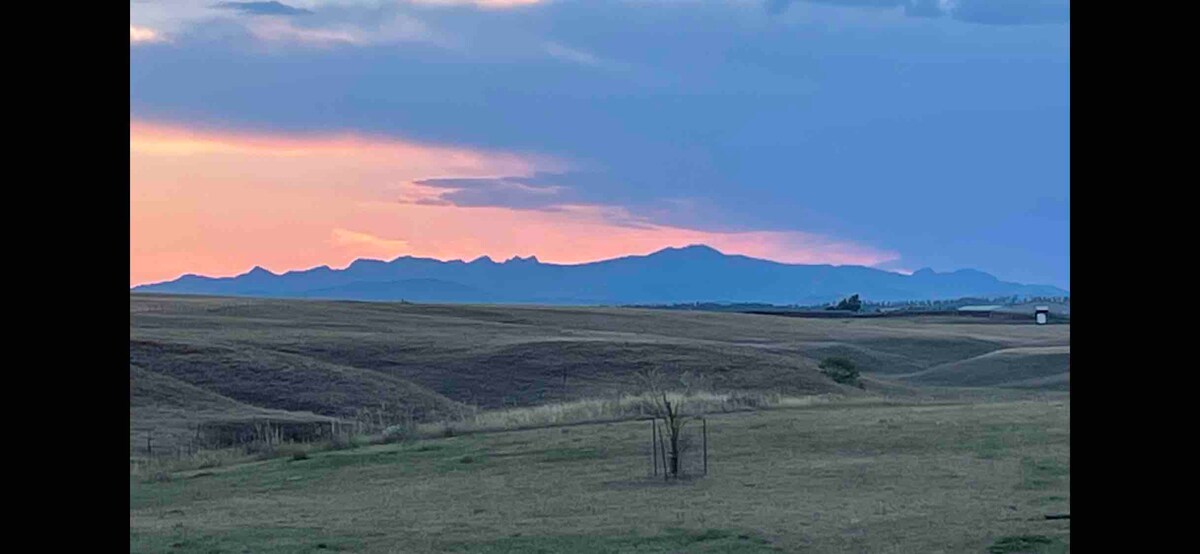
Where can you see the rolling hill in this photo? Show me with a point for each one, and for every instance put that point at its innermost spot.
(1033, 367)
(196, 359)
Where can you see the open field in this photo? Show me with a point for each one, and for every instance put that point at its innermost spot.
(524, 437)
(202, 359)
(962, 477)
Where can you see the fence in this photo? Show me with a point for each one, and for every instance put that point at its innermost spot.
(223, 434)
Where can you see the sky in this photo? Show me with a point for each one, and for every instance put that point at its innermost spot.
(897, 134)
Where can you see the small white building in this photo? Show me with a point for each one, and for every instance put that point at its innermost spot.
(1041, 314)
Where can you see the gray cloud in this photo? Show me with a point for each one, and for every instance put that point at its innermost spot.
(528, 193)
(987, 12)
(544, 192)
(779, 6)
(261, 8)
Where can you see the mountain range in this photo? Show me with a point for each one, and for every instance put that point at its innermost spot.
(695, 273)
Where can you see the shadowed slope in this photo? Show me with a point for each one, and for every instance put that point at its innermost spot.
(1034, 367)
(169, 410)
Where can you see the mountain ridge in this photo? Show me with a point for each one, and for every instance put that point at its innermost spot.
(695, 273)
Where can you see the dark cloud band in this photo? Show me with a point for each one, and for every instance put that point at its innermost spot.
(988, 12)
(261, 8)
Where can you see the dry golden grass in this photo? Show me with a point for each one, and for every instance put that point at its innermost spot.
(621, 407)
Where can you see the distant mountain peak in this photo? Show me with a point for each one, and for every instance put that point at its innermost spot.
(691, 249)
(693, 273)
(258, 270)
(365, 262)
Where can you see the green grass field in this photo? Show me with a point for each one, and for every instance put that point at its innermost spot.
(962, 477)
(958, 441)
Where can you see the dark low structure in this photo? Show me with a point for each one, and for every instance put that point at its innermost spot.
(230, 433)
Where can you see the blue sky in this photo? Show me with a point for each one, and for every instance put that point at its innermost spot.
(933, 133)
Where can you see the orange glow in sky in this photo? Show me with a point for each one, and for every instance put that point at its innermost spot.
(143, 34)
(218, 203)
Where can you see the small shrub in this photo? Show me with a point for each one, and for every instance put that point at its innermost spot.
(209, 462)
(296, 451)
(841, 370)
(399, 433)
(261, 450)
(341, 442)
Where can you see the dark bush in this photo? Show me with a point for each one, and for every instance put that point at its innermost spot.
(841, 370)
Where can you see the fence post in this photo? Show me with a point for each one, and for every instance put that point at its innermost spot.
(662, 449)
(654, 445)
(704, 422)
(149, 448)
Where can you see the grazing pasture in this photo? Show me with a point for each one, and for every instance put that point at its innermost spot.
(523, 432)
(932, 477)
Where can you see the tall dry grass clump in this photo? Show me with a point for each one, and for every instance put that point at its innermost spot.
(620, 407)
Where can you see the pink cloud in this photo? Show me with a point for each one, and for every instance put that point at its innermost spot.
(219, 202)
(143, 34)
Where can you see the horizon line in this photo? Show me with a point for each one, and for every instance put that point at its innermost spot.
(535, 259)
(493, 260)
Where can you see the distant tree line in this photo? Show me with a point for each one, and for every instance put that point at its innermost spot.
(855, 303)
(955, 303)
(851, 304)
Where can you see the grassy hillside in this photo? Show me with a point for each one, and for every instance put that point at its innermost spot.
(197, 358)
(826, 478)
(1047, 367)
(168, 410)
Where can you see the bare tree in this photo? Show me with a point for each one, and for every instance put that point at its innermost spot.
(673, 414)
